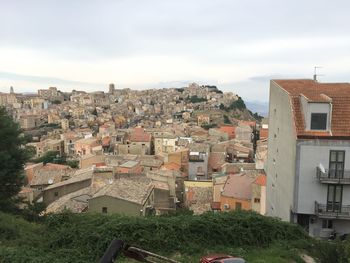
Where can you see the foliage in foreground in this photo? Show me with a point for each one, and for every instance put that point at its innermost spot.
(83, 238)
(13, 155)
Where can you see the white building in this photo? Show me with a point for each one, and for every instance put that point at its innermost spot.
(308, 169)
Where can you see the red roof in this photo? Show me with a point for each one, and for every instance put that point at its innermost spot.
(238, 186)
(264, 133)
(260, 180)
(54, 166)
(106, 141)
(139, 135)
(172, 166)
(336, 93)
(230, 130)
(248, 123)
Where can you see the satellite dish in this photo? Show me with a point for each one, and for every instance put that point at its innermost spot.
(50, 181)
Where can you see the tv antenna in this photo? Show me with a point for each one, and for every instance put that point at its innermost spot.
(315, 72)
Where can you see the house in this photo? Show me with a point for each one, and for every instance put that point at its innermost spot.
(164, 143)
(175, 182)
(244, 131)
(198, 196)
(130, 167)
(258, 200)
(150, 163)
(309, 155)
(203, 119)
(132, 196)
(86, 146)
(216, 160)
(139, 137)
(219, 180)
(81, 179)
(237, 192)
(198, 161)
(180, 157)
(28, 122)
(229, 130)
(48, 174)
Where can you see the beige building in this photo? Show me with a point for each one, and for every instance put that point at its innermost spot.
(86, 146)
(203, 119)
(81, 179)
(28, 122)
(164, 143)
(133, 196)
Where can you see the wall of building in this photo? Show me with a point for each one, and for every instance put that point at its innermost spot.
(49, 194)
(281, 155)
(232, 202)
(87, 162)
(339, 226)
(114, 206)
(312, 153)
(193, 168)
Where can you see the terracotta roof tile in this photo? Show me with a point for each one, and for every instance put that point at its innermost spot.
(260, 180)
(139, 135)
(336, 93)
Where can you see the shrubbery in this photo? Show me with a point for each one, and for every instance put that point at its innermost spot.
(84, 237)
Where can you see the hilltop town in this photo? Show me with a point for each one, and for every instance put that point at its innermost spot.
(141, 152)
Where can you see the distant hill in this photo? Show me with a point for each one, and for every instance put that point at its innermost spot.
(260, 107)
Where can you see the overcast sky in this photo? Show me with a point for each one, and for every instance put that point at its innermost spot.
(237, 45)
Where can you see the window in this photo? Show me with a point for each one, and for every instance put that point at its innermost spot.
(200, 170)
(104, 210)
(334, 198)
(56, 194)
(336, 164)
(238, 205)
(326, 223)
(318, 121)
(256, 200)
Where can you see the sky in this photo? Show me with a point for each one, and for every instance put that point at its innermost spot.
(237, 45)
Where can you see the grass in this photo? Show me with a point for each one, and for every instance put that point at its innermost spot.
(84, 237)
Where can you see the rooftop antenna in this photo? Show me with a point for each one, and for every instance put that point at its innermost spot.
(315, 72)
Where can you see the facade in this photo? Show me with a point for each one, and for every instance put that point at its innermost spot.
(308, 179)
(164, 144)
(132, 196)
(198, 161)
(237, 192)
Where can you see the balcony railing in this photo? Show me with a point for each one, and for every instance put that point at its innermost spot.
(196, 158)
(332, 211)
(333, 176)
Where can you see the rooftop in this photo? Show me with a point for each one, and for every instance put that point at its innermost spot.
(133, 189)
(336, 93)
(238, 186)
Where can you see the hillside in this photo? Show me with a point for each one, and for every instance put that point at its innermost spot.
(84, 237)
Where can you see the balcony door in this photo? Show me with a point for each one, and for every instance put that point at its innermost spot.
(336, 164)
(334, 198)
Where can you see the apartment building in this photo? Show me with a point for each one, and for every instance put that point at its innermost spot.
(308, 167)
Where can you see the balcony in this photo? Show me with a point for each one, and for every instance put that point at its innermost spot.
(340, 212)
(196, 158)
(333, 176)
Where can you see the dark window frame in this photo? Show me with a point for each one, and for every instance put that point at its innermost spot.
(318, 125)
(334, 170)
(332, 204)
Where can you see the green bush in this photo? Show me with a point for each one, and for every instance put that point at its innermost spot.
(84, 237)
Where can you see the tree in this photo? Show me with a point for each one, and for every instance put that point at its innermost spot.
(13, 155)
